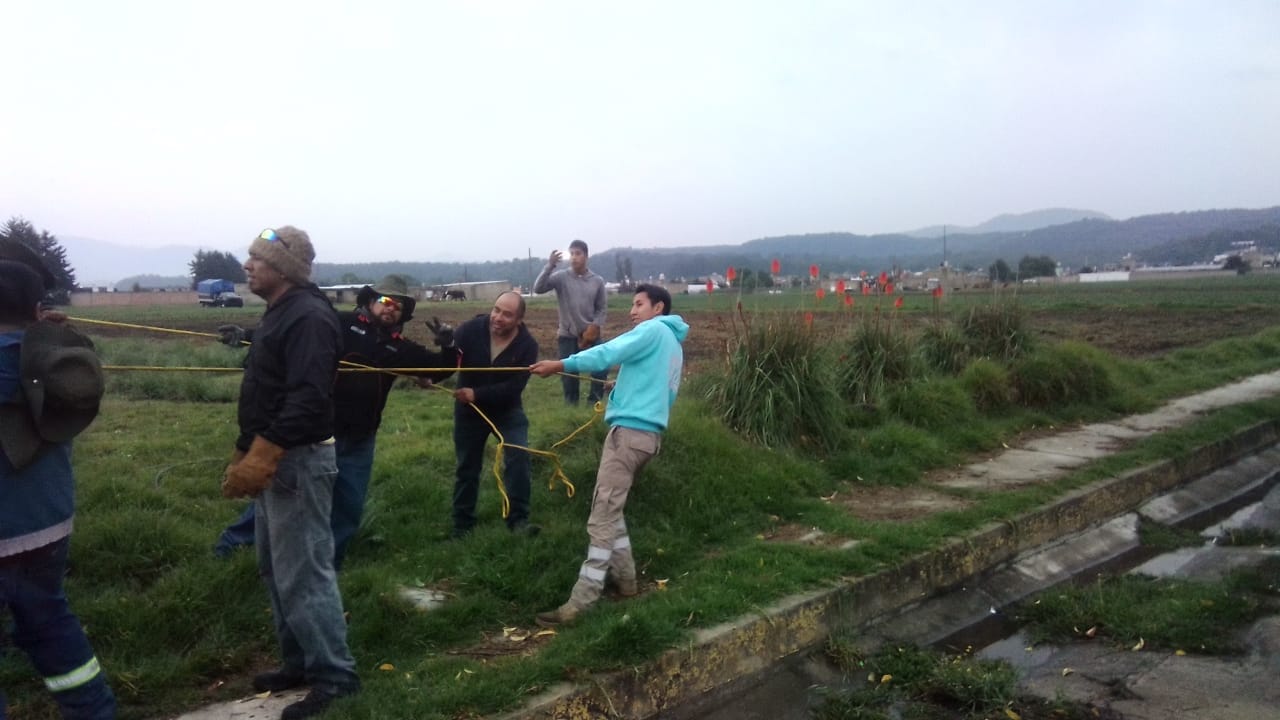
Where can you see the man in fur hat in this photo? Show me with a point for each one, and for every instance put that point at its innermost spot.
(284, 459)
(371, 336)
(50, 387)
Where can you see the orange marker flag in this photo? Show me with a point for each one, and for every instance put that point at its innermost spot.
(840, 286)
(898, 303)
(775, 267)
(710, 286)
(820, 293)
(813, 271)
(848, 300)
(730, 274)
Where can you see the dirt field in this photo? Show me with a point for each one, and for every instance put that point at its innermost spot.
(1124, 333)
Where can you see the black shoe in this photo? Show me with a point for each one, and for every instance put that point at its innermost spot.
(525, 528)
(278, 681)
(316, 702)
(459, 533)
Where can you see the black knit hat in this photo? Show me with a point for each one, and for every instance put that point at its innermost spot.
(18, 252)
(21, 289)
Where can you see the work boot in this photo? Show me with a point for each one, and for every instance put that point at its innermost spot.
(278, 681)
(563, 615)
(316, 702)
(525, 528)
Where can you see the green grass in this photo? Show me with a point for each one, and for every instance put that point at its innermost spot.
(906, 681)
(1161, 614)
(170, 622)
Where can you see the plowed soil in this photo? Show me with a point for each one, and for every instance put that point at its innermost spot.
(1125, 333)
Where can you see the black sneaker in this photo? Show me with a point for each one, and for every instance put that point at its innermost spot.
(525, 528)
(316, 702)
(278, 681)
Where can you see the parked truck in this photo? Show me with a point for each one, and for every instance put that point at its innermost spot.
(218, 293)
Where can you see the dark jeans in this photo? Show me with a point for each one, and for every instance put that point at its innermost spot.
(470, 433)
(355, 466)
(47, 631)
(567, 347)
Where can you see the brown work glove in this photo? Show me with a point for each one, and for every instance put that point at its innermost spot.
(236, 457)
(589, 336)
(252, 473)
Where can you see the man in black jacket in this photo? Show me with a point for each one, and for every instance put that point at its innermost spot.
(371, 336)
(284, 458)
(496, 340)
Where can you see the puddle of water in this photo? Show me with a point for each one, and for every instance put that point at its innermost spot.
(1018, 651)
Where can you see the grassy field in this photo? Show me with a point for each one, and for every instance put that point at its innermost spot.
(175, 627)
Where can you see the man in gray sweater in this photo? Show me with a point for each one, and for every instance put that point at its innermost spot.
(581, 296)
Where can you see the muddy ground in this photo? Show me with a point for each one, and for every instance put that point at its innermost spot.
(1124, 332)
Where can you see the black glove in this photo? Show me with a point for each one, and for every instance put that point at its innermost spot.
(232, 335)
(443, 332)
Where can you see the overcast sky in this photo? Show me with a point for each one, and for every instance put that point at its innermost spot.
(480, 130)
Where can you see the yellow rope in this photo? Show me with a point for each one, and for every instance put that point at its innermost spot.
(557, 475)
(144, 327)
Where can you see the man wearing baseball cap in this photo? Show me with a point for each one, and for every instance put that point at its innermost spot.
(284, 459)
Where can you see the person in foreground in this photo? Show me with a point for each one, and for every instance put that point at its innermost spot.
(284, 458)
(372, 336)
(496, 340)
(651, 361)
(50, 388)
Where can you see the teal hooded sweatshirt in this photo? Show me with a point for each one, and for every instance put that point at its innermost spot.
(651, 361)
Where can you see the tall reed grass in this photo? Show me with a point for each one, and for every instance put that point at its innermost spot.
(779, 387)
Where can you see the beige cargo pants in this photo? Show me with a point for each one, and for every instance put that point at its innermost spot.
(625, 453)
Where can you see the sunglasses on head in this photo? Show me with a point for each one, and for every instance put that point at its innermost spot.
(271, 235)
(390, 302)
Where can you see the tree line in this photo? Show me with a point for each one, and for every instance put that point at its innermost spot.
(50, 251)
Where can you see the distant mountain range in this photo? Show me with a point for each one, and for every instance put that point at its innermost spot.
(1012, 222)
(100, 264)
(1074, 238)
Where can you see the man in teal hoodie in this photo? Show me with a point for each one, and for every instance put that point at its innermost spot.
(651, 361)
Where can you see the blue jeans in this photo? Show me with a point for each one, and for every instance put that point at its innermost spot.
(470, 434)
(50, 634)
(355, 467)
(567, 347)
(295, 560)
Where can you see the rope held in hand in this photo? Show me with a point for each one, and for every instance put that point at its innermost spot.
(557, 475)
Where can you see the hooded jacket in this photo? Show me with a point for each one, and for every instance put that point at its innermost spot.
(651, 360)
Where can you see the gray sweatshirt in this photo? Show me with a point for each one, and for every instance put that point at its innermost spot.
(582, 298)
